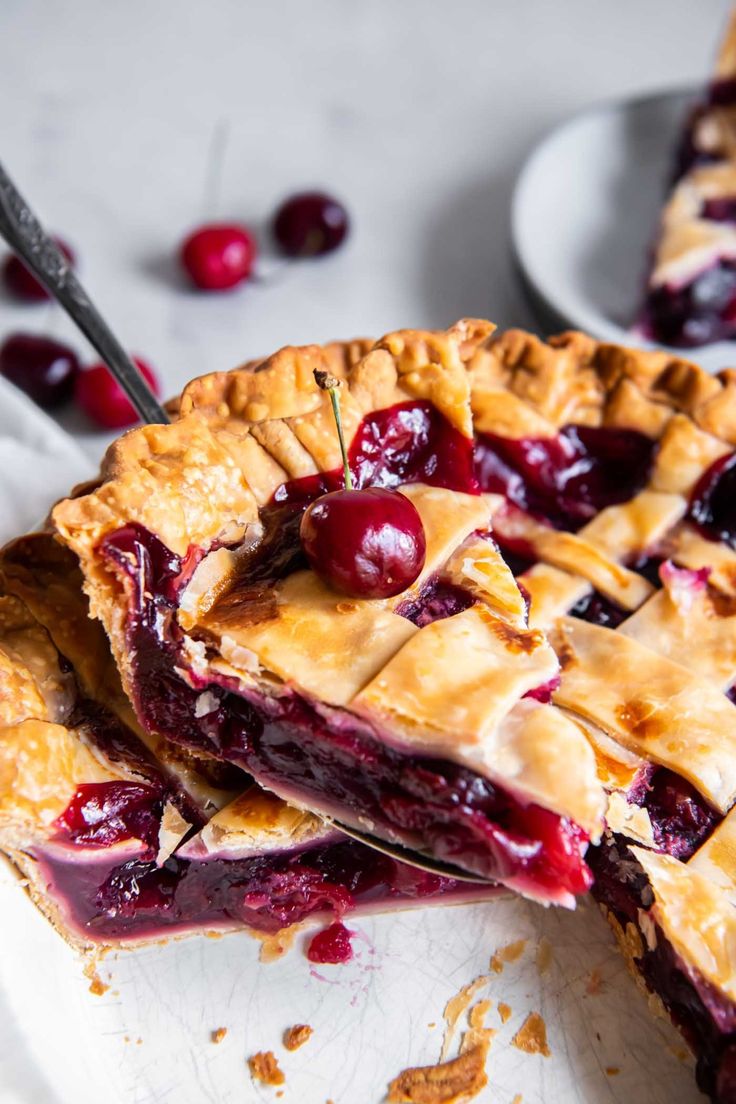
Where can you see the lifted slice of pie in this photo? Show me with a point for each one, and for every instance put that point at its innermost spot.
(124, 839)
(691, 292)
(423, 719)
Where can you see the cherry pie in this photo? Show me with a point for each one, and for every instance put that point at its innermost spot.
(580, 660)
(422, 718)
(691, 293)
(123, 838)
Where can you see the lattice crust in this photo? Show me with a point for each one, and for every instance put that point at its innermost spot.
(654, 688)
(573, 379)
(40, 581)
(238, 437)
(45, 755)
(696, 916)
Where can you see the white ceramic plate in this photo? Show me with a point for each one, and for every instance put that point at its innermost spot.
(585, 213)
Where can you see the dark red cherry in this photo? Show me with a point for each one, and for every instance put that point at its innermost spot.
(366, 544)
(21, 282)
(43, 368)
(218, 256)
(104, 401)
(310, 223)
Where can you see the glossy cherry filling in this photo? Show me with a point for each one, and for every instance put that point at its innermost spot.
(410, 442)
(101, 814)
(722, 209)
(681, 818)
(136, 899)
(697, 313)
(569, 478)
(436, 600)
(706, 1018)
(713, 501)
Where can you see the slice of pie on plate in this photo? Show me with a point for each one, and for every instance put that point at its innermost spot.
(125, 839)
(619, 473)
(691, 288)
(424, 718)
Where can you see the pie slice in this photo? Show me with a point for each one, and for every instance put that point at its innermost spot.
(691, 289)
(423, 719)
(618, 472)
(125, 840)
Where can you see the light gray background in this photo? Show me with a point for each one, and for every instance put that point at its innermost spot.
(127, 123)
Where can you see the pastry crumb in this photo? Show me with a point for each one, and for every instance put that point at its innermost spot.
(612, 1070)
(96, 985)
(532, 1036)
(276, 946)
(432, 1024)
(218, 1034)
(477, 1034)
(297, 1036)
(517, 1099)
(456, 1006)
(478, 1013)
(504, 1011)
(510, 953)
(446, 1083)
(544, 956)
(264, 1067)
(595, 983)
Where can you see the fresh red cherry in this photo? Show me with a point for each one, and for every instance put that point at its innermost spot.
(310, 223)
(43, 368)
(366, 544)
(218, 256)
(103, 399)
(21, 282)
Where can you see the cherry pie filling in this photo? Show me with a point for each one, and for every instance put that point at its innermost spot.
(696, 313)
(112, 896)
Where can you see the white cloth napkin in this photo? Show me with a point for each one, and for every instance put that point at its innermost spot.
(39, 463)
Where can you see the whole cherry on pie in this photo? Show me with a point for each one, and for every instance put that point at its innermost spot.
(218, 256)
(364, 543)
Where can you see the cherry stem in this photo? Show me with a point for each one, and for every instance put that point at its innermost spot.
(331, 385)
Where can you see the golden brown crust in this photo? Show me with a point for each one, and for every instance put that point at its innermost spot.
(264, 1067)
(451, 1082)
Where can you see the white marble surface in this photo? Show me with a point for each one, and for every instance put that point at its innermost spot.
(419, 114)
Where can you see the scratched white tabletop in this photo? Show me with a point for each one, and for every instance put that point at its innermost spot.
(128, 124)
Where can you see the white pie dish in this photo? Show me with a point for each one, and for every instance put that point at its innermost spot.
(585, 212)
